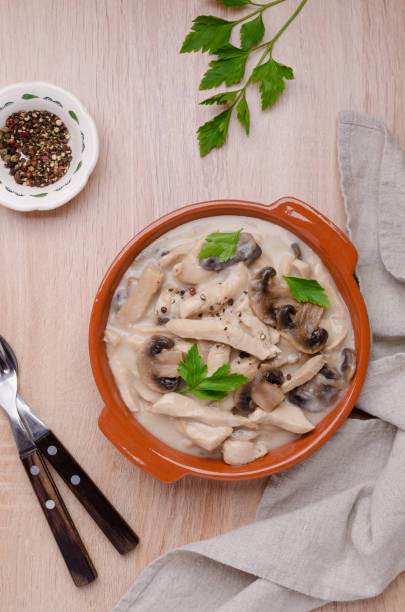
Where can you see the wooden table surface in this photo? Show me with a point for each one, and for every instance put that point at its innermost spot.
(120, 57)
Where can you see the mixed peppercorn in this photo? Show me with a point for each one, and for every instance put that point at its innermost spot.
(34, 146)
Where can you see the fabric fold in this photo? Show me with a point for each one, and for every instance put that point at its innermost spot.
(331, 528)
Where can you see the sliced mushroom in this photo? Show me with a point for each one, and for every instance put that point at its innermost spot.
(264, 391)
(296, 249)
(318, 393)
(218, 355)
(301, 327)
(137, 304)
(178, 405)
(349, 364)
(266, 297)
(144, 391)
(239, 452)
(304, 373)
(265, 394)
(157, 364)
(243, 399)
(206, 436)
(260, 297)
(224, 332)
(214, 295)
(247, 251)
(286, 416)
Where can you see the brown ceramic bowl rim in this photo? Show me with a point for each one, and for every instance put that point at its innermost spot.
(153, 455)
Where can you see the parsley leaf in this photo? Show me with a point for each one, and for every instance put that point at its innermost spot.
(229, 70)
(234, 2)
(213, 133)
(222, 245)
(307, 290)
(252, 32)
(270, 76)
(243, 114)
(221, 98)
(215, 387)
(228, 51)
(208, 33)
(192, 370)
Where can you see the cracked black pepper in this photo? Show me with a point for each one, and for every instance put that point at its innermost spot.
(34, 146)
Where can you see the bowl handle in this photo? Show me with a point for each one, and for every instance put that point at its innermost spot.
(115, 427)
(332, 241)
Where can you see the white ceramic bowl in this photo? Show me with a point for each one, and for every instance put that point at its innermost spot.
(83, 142)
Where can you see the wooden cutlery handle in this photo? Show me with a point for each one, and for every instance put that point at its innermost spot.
(66, 535)
(97, 505)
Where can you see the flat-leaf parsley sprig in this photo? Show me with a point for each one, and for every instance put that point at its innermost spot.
(221, 245)
(215, 387)
(307, 290)
(210, 33)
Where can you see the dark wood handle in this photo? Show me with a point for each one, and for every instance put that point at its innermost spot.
(97, 505)
(66, 535)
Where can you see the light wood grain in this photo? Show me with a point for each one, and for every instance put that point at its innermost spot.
(121, 59)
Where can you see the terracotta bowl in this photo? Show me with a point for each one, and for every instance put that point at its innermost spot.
(153, 455)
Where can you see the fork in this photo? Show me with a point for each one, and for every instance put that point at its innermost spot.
(120, 534)
(66, 535)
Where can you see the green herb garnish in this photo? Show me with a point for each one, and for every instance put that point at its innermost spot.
(212, 34)
(307, 290)
(194, 373)
(221, 245)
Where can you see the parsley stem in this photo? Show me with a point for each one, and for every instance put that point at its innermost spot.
(267, 46)
(287, 23)
(258, 11)
(268, 4)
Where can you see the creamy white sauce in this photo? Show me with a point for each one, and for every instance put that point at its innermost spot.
(123, 339)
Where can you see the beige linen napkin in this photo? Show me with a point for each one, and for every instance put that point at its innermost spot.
(333, 527)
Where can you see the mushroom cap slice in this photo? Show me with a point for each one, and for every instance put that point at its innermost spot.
(260, 297)
(266, 395)
(243, 398)
(303, 330)
(264, 391)
(316, 394)
(157, 364)
(247, 251)
(349, 364)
